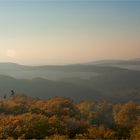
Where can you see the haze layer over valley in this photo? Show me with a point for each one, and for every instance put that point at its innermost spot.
(99, 80)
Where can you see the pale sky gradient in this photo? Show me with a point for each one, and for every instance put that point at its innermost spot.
(68, 31)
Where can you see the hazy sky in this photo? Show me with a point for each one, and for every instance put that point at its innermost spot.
(68, 31)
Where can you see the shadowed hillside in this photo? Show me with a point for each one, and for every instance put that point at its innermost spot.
(44, 88)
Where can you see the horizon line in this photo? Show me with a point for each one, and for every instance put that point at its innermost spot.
(80, 63)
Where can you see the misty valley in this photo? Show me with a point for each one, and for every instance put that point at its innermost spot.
(92, 81)
(47, 74)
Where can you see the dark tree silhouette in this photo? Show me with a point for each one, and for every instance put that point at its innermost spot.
(12, 92)
(5, 96)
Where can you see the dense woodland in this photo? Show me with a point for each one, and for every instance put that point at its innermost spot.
(23, 117)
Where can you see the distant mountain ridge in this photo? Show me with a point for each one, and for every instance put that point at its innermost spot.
(11, 65)
(115, 61)
(133, 64)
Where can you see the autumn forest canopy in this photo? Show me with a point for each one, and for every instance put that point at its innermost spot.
(25, 117)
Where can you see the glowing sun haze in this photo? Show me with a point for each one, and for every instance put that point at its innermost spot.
(62, 32)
